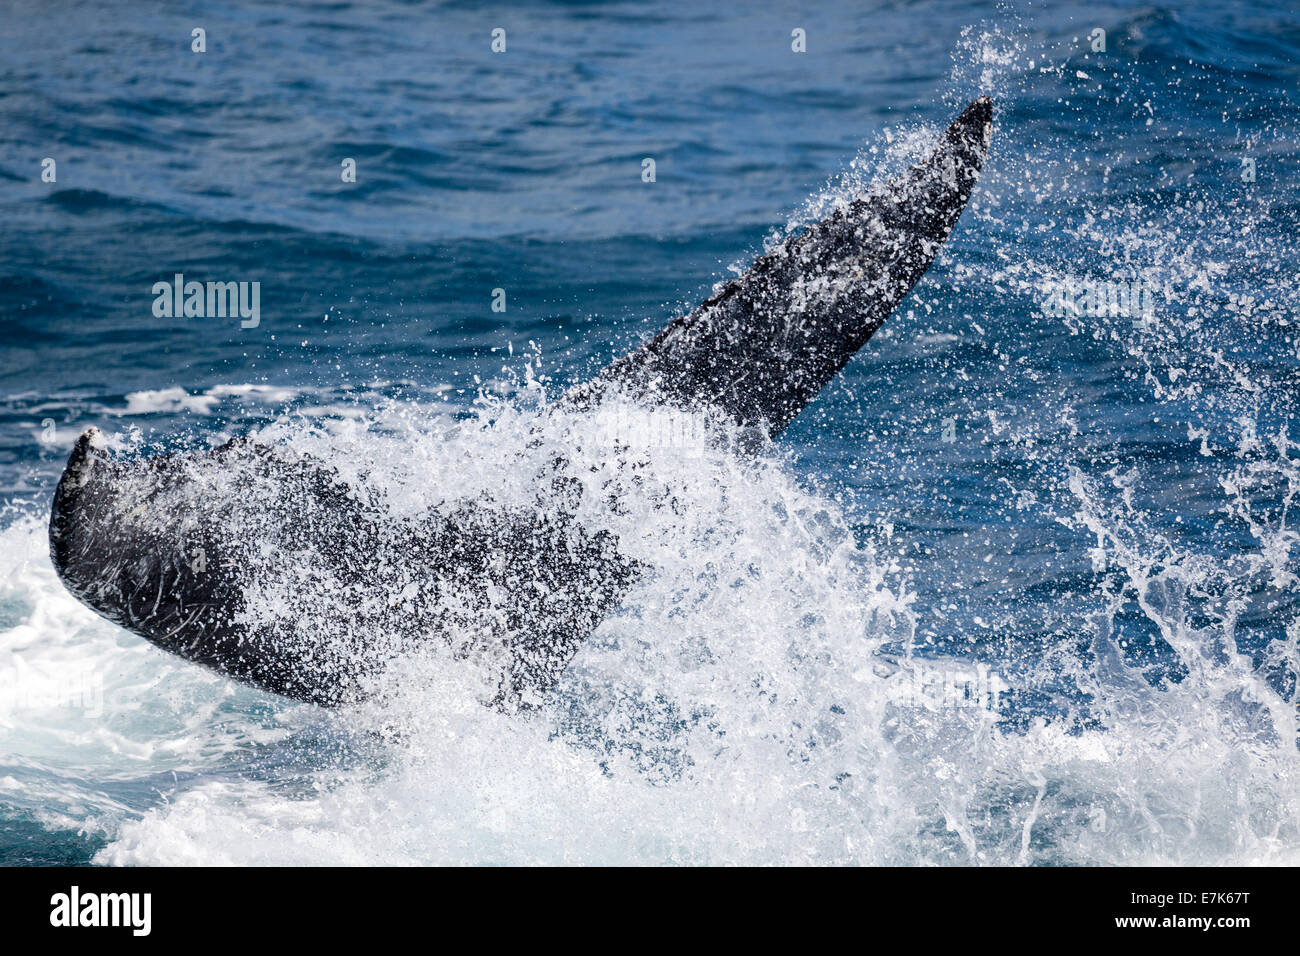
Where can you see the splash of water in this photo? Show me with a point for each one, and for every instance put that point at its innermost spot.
(756, 698)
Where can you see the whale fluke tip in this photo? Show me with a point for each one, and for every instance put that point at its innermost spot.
(977, 113)
(82, 459)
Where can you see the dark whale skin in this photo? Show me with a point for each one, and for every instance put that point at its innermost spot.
(150, 546)
(764, 345)
(175, 548)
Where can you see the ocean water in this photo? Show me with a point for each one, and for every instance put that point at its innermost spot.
(1021, 587)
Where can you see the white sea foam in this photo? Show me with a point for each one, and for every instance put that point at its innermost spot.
(732, 711)
(743, 705)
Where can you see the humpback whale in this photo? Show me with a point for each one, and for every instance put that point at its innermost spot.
(267, 566)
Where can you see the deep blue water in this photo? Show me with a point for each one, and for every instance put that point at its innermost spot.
(1040, 491)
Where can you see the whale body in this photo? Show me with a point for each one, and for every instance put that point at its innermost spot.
(266, 566)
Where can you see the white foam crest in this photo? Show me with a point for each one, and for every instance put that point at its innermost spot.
(83, 701)
(731, 712)
(735, 708)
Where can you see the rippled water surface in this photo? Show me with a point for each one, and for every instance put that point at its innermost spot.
(1022, 586)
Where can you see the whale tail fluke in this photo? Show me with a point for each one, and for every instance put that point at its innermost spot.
(268, 567)
(764, 345)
